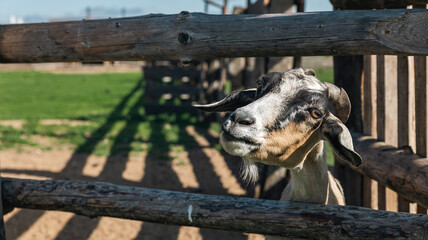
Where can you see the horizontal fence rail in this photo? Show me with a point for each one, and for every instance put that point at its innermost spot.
(404, 172)
(290, 219)
(196, 36)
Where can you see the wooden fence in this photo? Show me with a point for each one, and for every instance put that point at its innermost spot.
(195, 36)
(299, 220)
(394, 110)
(189, 36)
(388, 94)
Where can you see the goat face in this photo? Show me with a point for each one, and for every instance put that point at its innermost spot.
(282, 119)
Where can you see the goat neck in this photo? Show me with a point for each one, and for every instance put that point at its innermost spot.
(312, 182)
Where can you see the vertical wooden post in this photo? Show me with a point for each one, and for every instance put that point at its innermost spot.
(391, 118)
(421, 68)
(421, 104)
(369, 95)
(348, 74)
(405, 110)
(421, 88)
(387, 118)
(380, 117)
(369, 124)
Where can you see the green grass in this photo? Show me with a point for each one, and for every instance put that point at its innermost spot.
(38, 95)
(325, 74)
(112, 102)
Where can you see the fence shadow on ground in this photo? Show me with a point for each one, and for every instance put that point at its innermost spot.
(156, 171)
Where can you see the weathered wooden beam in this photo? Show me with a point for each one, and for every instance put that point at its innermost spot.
(402, 171)
(195, 36)
(292, 219)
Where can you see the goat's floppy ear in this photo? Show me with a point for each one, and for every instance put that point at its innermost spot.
(339, 137)
(231, 102)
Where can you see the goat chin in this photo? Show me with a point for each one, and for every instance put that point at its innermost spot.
(249, 170)
(236, 147)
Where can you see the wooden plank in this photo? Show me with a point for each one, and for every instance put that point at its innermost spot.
(196, 36)
(369, 95)
(348, 75)
(403, 94)
(291, 219)
(370, 193)
(370, 187)
(380, 118)
(404, 113)
(421, 88)
(391, 117)
(403, 172)
(412, 103)
(391, 103)
(421, 110)
(421, 104)
(381, 196)
(380, 97)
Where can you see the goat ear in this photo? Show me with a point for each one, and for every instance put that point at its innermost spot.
(231, 102)
(339, 137)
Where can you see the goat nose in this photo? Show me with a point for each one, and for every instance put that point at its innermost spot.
(226, 125)
(242, 118)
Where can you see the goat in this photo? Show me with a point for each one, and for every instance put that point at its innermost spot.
(284, 122)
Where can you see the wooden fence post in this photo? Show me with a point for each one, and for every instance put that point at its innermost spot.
(421, 68)
(347, 74)
(387, 118)
(370, 187)
(421, 88)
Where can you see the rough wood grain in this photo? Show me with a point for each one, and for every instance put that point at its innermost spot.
(189, 36)
(403, 172)
(347, 74)
(369, 95)
(298, 220)
(370, 187)
(380, 97)
(391, 117)
(380, 118)
(421, 89)
(404, 113)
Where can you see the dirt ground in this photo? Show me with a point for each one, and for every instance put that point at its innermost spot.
(200, 169)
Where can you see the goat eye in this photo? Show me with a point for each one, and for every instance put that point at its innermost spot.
(259, 84)
(315, 113)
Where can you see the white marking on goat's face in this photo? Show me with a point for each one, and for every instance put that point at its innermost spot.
(281, 125)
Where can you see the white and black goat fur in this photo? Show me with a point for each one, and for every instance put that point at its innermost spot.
(284, 122)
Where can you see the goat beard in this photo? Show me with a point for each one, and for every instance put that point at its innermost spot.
(249, 171)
